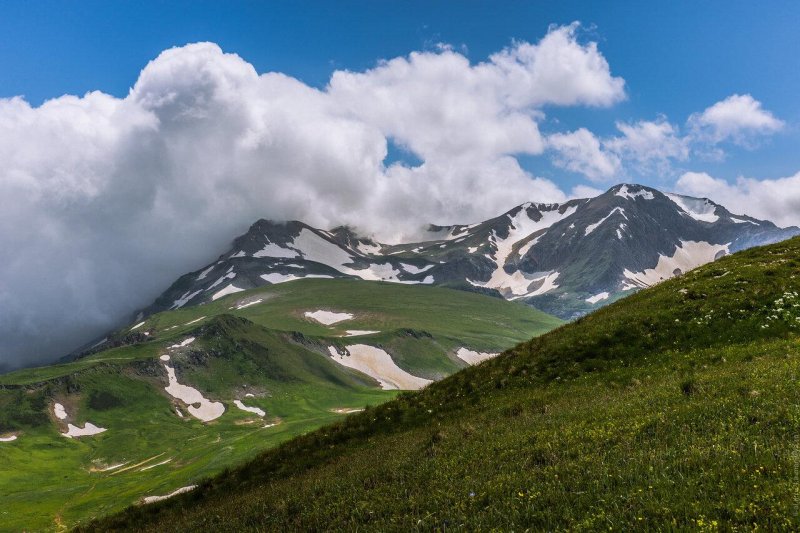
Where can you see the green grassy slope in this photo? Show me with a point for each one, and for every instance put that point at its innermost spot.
(675, 408)
(269, 351)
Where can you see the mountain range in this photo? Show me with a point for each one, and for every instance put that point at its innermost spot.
(670, 409)
(267, 355)
(565, 259)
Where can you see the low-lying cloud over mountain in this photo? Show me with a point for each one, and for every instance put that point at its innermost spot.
(105, 200)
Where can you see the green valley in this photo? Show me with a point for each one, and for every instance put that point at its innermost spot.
(675, 408)
(262, 348)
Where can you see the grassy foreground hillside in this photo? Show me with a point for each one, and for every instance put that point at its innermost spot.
(675, 408)
(257, 347)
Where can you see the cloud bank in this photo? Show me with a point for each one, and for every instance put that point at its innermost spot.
(777, 200)
(104, 200)
(653, 147)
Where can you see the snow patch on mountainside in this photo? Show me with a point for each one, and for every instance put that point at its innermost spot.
(472, 357)
(315, 248)
(378, 365)
(248, 304)
(255, 410)
(228, 275)
(275, 250)
(59, 411)
(369, 249)
(276, 278)
(87, 430)
(153, 499)
(597, 297)
(180, 302)
(687, 255)
(546, 283)
(200, 407)
(591, 227)
(625, 193)
(517, 284)
(697, 208)
(328, 317)
(230, 289)
(12, 438)
(411, 269)
(427, 281)
(182, 344)
(204, 273)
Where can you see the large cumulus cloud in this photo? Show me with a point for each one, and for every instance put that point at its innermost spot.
(104, 200)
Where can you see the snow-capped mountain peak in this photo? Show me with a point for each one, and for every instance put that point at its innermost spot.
(563, 258)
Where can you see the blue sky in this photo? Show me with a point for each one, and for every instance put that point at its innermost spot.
(677, 58)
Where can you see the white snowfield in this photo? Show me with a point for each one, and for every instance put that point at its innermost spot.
(597, 297)
(184, 343)
(164, 357)
(12, 438)
(697, 208)
(359, 332)
(687, 255)
(311, 246)
(314, 248)
(276, 277)
(276, 250)
(472, 357)
(625, 193)
(742, 221)
(591, 227)
(153, 499)
(195, 320)
(518, 284)
(347, 410)
(427, 281)
(228, 275)
(180, 302)
(411, 269)
(528, 245)
(248, 304)
(59, 411)
(378, 365)
(368, 249)
(87, 430)
(328, 317)
(204, 273)
(230, 289)
(137, 326)
(256, 410)
(198, 406)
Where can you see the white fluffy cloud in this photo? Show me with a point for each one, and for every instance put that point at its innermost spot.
(777, 200)
(739, 118)
(648, 142)
(654, 146)
(105, 200)
(580, 151)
